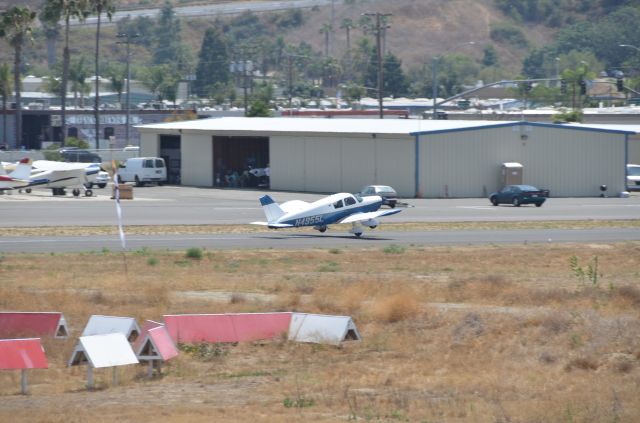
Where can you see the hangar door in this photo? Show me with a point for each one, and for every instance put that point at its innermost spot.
(170, 152)
(233, 157)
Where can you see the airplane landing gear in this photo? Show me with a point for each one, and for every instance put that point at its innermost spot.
(356, 229)
(76, 192)
(59, 191)
(321, 228)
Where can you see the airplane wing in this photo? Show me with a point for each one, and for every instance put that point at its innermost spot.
(370, 215)
(58, 166)
(272, 225)
(294, 206)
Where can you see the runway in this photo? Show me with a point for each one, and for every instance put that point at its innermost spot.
(197, 206)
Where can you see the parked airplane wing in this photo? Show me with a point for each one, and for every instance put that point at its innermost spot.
(370, 215)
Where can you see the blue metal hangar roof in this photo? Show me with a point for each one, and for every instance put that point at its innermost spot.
(412, 127)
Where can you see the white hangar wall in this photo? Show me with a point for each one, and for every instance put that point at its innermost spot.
(341, 163)
(568, 162)
(196, 164)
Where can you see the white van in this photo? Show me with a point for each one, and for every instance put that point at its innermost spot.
(633, 177)
(142, 170)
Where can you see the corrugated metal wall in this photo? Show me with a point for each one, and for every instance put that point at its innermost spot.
(196, 166)
(565, 161)
(329, 164)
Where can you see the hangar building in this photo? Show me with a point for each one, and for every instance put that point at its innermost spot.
(419, 158)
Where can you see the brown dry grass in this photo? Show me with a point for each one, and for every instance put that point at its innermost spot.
(456, 334)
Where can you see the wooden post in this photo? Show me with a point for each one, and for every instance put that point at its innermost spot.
(23, 382)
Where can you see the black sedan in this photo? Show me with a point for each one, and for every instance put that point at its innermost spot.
(517, 195)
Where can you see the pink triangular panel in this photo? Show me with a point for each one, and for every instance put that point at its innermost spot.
(161, 339)
(258, 326)
(24, 324)
(22, 354)
(194, 328)
(148, 325)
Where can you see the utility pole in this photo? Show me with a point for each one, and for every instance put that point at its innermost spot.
(378, 32)
(127, 41)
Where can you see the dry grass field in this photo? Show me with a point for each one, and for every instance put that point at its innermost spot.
(527, 333)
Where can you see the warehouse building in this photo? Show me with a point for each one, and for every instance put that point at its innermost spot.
(419, 158)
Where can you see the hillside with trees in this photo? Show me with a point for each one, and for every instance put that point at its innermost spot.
(305, 53)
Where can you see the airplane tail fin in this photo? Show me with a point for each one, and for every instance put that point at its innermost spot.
(271, 209)
(23, 169)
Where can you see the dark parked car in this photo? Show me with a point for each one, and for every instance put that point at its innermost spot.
(82, 156)
(517, 195)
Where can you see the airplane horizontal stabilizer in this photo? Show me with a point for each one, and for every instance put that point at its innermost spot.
(370, 215)
(273, 225)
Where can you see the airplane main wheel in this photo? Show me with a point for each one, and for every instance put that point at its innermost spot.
(88, 193)
(28, 190)
(358, 234)
(75, 192)
(323, 229)
(373, 227)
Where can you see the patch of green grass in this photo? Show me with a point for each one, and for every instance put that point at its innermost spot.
(194, 253)
(144, 251)
(152, 261)
(394, 249)
(300, 402)
(335, 251)
(330, 266)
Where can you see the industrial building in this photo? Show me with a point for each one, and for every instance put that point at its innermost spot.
(419, 158)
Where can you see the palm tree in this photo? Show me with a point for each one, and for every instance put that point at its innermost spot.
(52, 12)
(117, 74)
(348, 24)
(78, 74)
(16, 28)
(5, 91)
(326, 30)
(99, 7)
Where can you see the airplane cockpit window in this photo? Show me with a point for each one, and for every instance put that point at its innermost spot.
(349, 201)
(358, 198)
(337, 204)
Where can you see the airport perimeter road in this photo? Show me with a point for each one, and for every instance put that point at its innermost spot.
(171, 205)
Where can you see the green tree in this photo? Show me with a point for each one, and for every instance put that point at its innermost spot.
(213, 62)
(52, 12)
(117, 74)
(168, 47)
(490, 57)
(326, 30)
(162, 81)
(6, 89)
(258, 108)
(98, 7)
(394, 82)
(78, 74)
(15, 26)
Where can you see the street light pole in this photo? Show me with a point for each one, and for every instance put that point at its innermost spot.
(378, 32)
(127, 41)
(434, 78)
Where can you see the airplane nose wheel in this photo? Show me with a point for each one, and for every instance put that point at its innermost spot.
(75, 192)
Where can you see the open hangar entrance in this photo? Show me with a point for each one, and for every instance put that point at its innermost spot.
(235, 156)
(171, 153)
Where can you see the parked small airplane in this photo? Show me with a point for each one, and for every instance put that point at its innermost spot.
(336, 208)
(18, 178)
(61, 175)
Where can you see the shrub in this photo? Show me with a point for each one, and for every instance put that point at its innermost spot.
(194, 253)
(396, 307)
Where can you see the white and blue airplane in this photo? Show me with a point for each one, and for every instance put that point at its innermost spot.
(337, 208)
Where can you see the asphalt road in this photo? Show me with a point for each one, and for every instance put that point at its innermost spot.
(170, 205)
(222, 8)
